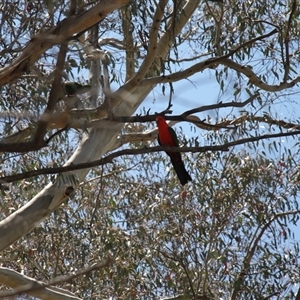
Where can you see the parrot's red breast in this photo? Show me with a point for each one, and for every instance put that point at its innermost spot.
(167, 137)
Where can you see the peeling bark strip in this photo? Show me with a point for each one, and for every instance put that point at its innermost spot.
(64, 30)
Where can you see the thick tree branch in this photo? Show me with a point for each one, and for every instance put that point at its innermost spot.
(152, 48)
(54, 194)
(85, 119)
(110, 157)
(23, 284)
(11, 141)
(254, 79)
(128, 92)
(38, 139)
(209, 63)
(64, 30)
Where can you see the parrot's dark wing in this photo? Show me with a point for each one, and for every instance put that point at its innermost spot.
(158, 140)
(174, 136)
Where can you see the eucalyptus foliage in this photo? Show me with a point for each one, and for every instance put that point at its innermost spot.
(232, 232)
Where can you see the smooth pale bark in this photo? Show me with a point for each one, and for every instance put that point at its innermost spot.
(64, 30)
(15, 280)
(93, 146)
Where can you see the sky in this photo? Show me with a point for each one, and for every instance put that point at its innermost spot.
(202, 89)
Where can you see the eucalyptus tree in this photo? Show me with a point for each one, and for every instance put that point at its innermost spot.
(88, 203)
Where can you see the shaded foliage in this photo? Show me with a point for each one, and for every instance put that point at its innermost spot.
(165, 242)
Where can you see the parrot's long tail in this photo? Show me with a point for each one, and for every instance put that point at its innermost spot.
(180, 170)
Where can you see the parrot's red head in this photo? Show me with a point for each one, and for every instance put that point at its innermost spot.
(160, 120)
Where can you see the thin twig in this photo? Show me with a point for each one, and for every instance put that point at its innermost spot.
(220, 105)
(55, 134)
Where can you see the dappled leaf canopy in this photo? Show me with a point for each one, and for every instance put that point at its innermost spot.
(91, 207)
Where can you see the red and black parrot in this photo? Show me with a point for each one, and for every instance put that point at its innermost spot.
(168, 137)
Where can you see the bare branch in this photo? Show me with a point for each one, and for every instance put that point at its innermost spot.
(64, 30)
(254, 79)
(152, 48)
(249, 255)
(24, 284)
(189, 59)
(212, 62)
(112, 42)
(186, 271)
(55, 134)
(110, 157)
(184, 116)
(263, 119)
(220, 105)
(39, 289)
